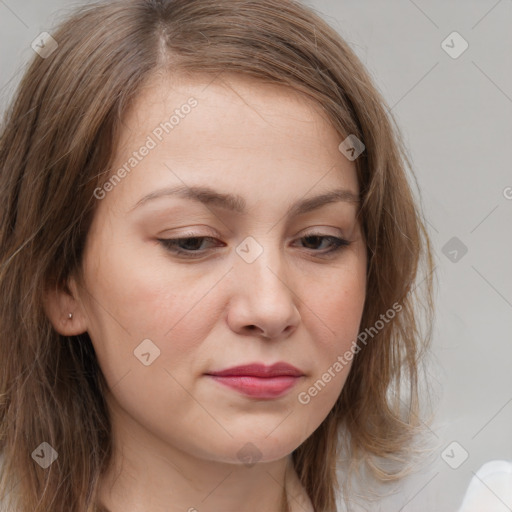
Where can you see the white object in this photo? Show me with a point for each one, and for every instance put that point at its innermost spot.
(490, 489)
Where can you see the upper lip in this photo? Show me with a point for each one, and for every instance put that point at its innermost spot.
(260, 370)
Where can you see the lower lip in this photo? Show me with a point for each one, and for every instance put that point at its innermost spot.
(258, 387)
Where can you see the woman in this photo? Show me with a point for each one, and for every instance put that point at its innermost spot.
(209, 249)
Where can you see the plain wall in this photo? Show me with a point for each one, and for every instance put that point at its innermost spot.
(455, 115)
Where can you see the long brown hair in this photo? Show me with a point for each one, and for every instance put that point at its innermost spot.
(57, 141)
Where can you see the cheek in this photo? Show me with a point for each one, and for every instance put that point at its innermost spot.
(334, 312)
(337, 305)
(135, 300)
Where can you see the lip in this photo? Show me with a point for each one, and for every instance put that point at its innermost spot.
(258, 380)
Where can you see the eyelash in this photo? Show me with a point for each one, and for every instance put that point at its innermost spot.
(170, 244)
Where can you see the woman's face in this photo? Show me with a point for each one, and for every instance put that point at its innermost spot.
(234, 167)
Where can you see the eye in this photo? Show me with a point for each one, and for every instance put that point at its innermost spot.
(334, 244)
(186, 246)
(192, 246)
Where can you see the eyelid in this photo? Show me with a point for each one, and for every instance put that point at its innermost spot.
(337, 244)
(322, 231)
(212, 233)
(204, 233)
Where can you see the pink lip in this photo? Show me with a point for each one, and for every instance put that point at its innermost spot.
(259, 381)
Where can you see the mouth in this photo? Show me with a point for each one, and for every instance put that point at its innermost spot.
(258, 380)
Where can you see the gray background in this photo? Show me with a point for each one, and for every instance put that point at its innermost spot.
(456, 118)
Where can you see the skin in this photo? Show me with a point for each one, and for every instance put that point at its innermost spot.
(177, 432)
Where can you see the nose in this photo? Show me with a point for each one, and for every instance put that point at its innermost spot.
(263, 301)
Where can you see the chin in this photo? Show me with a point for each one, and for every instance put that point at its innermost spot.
(252, 448)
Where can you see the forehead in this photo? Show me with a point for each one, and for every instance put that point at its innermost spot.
(227, 103)
(246, 135)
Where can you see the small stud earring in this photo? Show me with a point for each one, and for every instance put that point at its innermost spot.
(70, 315)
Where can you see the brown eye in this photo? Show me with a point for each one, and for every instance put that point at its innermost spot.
(188, 246)
(334, 243)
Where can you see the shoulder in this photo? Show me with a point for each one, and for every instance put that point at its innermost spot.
(490, 489)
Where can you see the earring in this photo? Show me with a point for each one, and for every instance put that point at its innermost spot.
(70, 315)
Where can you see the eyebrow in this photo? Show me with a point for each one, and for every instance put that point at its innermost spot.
(237, 204)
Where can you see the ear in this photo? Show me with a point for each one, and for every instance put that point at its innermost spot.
(61, 301)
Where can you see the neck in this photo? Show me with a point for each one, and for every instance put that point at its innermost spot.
(148, 475)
